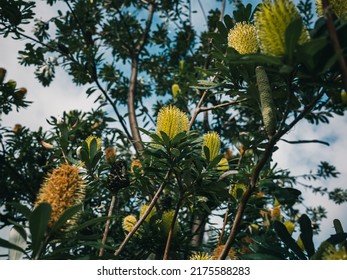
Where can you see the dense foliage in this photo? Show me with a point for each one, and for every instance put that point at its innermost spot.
(152, 187)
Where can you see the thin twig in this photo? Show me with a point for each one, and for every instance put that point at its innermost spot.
(144, 216)
(256, 172)
(172, 227)
(107, 226)
(335, 40)
(223, 227)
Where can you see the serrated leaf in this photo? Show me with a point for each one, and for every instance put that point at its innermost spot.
(285, 236)
(306, 234)
(21, 208)
(38, 223)
(68, 214)
(292, 35)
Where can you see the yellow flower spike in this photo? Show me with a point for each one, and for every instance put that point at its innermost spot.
(290, 226)
(276, 213)
(243, 38)
(143, 209)
(200, 256)
(181, 64)
(129, 222)
(63, 188)
(300, 243)
(176, 90)
(97, 139)
(331, 253)
(219, 249)
(166, 221)
(212, 142)
(172, 121)
(271, 21)
(223, 165)
(338, 7)
(136, 163)
(237, 190)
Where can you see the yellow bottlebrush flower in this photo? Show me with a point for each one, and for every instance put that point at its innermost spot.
(223, 165)
(338, 7)
(129, 222)
(243, 38)
(143, 209)
(300, 243)
(63, 188)
(136, 163)
(110, 155)
(212, 142)
(218, 251)
(166, 221)
(290, 226)
(176, 90)
(276, 213)
(200, 256)
(172, 121)
(237, 190)
(97, 139)
(271, 22)
(331, 253)
(181, 64)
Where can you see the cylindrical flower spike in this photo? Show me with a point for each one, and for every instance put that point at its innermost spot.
(212, 142)
(129, 222)
(97, 139)
(176, 90)
(200, 256)
(172, 121)
(271, 21)
(63, 188)
(243, 38)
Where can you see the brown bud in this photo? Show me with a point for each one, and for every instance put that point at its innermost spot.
(11, 83)
(20, 93)
(228, 154)
(2, 74)
(17, 128)
(110, 154)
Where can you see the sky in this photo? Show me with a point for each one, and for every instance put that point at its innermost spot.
(63, 95)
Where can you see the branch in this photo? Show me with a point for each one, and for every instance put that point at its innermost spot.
(306, 141)
(107, 225)
(172, 226)
(144, 216)
(335, 40)
(256, 172)
(133, 80)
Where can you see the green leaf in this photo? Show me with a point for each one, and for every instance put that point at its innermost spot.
(18, 238)
(21, 209)
(68, 214)
(259, 58)
(306, 234)
(175, 152)
(6, 244)
(283, 233)
(178, 138)
(38, 223)
(292, 35)
(89, 223)
(229, 22)
(93, 148)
